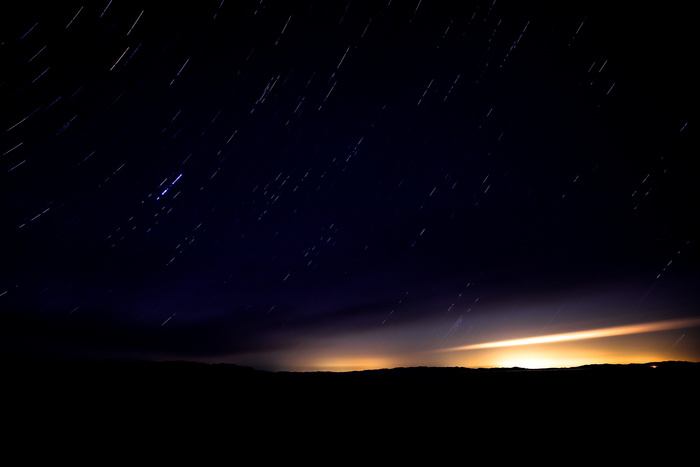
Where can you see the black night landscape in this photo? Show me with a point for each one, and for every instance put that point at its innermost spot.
(250, 193)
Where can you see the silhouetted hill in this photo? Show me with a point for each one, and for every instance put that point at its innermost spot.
(29, 371)
(86, 404)
(185, 381)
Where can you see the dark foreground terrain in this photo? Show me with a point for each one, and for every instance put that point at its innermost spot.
(647, 405)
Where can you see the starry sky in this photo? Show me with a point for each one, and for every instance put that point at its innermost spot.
(335, 185)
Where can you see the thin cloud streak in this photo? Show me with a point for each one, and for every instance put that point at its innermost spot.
(580, 335)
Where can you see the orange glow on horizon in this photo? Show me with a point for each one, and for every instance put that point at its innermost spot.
(374, 350)
(350, 363)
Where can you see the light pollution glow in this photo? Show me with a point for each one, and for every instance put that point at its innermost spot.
(624, 344)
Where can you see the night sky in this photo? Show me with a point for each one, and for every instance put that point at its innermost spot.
(348, 184)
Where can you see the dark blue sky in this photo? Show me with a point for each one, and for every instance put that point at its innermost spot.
(207, 180)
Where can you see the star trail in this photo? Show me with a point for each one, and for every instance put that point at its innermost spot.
(335, 185)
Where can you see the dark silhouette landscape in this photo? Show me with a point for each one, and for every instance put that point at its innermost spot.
(129, 406)
(183, 383)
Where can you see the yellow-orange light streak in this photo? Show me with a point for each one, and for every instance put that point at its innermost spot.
(590, 334)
